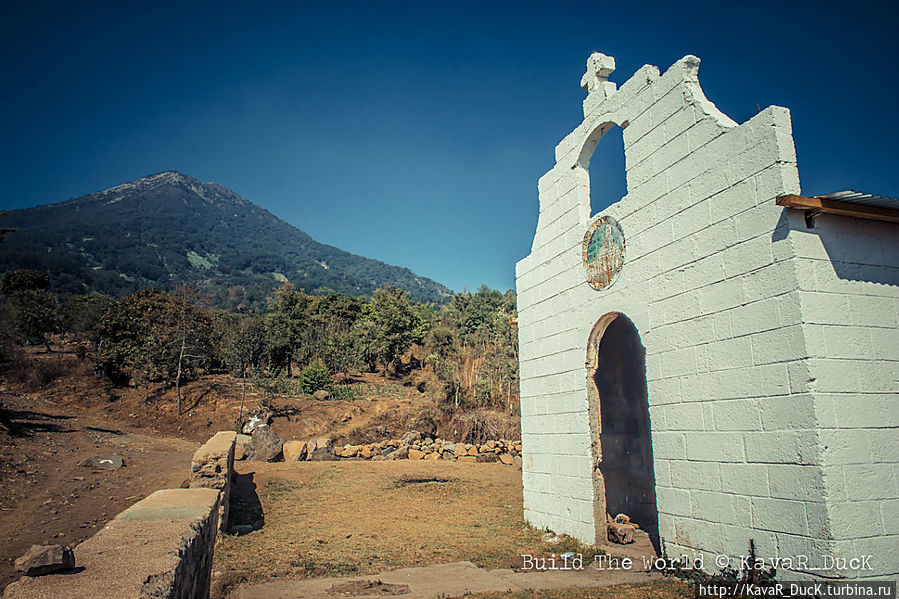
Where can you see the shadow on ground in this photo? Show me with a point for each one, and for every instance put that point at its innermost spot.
(21, 423)
(245, 508)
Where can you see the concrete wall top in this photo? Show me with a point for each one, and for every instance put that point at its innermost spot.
(141, 551)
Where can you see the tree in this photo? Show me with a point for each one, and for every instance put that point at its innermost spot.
(284, 324)
(190, 339)
(35, 310)
(36, 314)
(152, 336)
(82, 316)
(331, 337)
(388, 327)
(5, 230)
(8, 334)
(241, 343)
(24, 280)
(314, 377)
(473, 347)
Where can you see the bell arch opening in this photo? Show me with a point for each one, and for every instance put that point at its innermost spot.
(603, 158)
(623, 473)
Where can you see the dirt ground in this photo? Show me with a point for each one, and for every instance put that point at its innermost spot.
(342, 518)
(335, 518)
(66, 414)
(47, 496)
(314, 519)
(213, 402)
(339, 519)
(666, 589)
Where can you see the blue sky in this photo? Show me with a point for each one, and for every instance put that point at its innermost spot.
(413, 132)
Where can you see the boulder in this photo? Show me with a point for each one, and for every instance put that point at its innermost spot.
(473, 450)
(459, 450)
(350, 451)
(401, 453)
(415, 454)
(321, 395)
(324, 450)
(310, 448)
(517, 460)
(265, 445)
(242, 446)
(366, 452)
(506, 459)
(433, 456)
(468, 458)
(294, 451)
(45, 559)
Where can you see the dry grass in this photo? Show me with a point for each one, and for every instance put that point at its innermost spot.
(664, 589)
(344, 518)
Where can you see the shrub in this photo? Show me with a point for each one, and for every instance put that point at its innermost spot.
(314, 377)
(344, 392)
(38, 374)
(481, 425)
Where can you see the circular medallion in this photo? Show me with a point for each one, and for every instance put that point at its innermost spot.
(603, 251)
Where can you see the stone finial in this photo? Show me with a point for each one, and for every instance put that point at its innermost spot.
(599, 67)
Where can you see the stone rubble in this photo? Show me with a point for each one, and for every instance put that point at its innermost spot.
(411, 446)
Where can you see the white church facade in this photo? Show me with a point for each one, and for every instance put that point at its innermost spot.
(715, 355)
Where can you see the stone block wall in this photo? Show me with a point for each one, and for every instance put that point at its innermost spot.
(160, 547)
(212, 467)
(715, 282)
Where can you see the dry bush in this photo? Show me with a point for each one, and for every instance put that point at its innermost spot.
(482, 425)
(427, 421)
(388, 425)
(428, 383)
(35, 374)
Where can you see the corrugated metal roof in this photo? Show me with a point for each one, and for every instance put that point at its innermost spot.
(865, 199)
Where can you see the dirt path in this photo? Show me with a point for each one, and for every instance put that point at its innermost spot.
(47, 496)
(443, 580)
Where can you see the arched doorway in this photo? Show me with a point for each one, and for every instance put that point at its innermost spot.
(623, 474)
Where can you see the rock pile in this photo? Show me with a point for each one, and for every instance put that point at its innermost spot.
(412, 446)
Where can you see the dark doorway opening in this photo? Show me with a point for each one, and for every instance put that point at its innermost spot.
(625, 440)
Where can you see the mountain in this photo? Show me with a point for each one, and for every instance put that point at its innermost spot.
(169, 228)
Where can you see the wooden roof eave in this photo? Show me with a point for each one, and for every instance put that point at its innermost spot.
(816, 205)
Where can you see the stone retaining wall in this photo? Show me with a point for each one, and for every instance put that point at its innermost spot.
(212, 467)
(502, 451)
(412, 446)
(160, 548)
